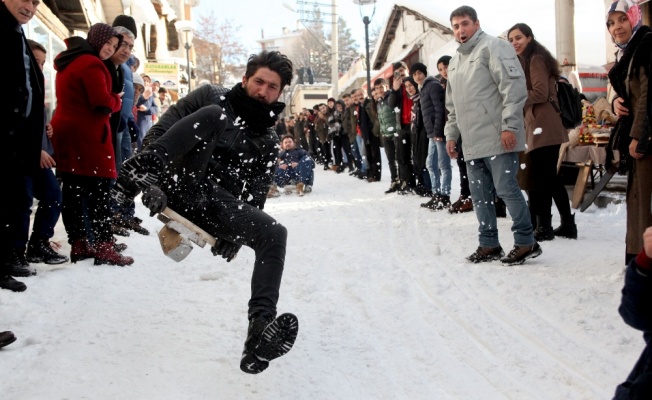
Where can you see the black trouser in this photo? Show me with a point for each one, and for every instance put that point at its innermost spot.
(403, 145)
(372, 145)
(341, 144)
(464, 177)
(546, 182)
(217, 211)
(389, 144)
(86, 197)
(325, 149)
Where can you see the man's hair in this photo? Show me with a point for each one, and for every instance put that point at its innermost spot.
(399, 64)
(287, 136)
(353, 91)
(444, 60)
(465, 11)
(380, 81)
(273, 60)
(34, 45)
(345, 95)
(125, 32)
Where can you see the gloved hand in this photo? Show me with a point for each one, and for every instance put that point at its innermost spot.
(154, 199)
(228, 250)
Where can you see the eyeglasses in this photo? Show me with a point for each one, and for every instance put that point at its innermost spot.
(125, 45)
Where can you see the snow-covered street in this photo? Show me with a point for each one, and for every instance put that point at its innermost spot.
(388, 309)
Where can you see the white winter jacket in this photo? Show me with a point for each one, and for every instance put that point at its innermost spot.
(485, 95)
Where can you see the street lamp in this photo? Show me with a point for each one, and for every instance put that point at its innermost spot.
(186, 30)
(366, 19)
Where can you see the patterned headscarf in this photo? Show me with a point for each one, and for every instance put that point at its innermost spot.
(99, 34)
(631, 10)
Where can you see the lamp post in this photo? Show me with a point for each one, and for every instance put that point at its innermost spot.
(186, 30)
(366, 19)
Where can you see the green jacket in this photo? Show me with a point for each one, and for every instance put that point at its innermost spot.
(387, 118)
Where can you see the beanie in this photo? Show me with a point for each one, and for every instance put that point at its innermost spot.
(418, 67)
(99, 34)
(138, 80)
(128, 22)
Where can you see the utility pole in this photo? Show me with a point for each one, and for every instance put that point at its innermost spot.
(335, 70)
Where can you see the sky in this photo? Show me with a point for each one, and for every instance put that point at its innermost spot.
(388, 310)
(495, 17)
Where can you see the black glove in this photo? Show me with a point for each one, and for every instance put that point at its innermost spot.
(154, 199)
(228, 250)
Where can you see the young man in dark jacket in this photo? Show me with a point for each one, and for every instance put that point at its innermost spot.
(23, 123)
(211, 157)
(636, 310)
(294, 164)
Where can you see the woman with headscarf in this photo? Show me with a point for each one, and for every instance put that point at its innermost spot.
(629, 78)
(544, 133)
(83, 143)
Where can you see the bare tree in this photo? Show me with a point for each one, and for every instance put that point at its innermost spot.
(220, 54)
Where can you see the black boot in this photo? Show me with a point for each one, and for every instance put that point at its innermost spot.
(40, 251)
(9, 283)
(16, 264)
(267, 339)
(544, 231)
(567, 229)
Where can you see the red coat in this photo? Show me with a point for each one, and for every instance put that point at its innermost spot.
(82, 134)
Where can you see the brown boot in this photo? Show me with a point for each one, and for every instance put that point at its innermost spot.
(300, 188)
(105, 254)
(81, 250)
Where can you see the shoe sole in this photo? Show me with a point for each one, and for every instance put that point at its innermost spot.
(534, 254)
(493, 257)
(277, 339)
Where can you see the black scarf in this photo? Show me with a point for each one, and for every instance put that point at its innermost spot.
(639, 49)
(253, 114)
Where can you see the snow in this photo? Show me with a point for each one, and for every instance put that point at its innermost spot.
(388, 309)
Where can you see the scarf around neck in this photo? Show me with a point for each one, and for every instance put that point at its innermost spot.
(252, 113)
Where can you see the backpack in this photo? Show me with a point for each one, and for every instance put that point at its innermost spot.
(568, 105)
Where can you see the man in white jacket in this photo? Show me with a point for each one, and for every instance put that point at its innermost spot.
(485, 96)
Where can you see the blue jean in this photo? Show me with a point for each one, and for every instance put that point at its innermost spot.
(304, 172)
(439, 166)
(43, 186)
(496, 175)
(364, 163)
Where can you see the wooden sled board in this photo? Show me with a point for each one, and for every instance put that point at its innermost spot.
(182, 225)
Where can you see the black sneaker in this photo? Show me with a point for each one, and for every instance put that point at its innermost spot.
(484, 254)
(9, 283)
(139, 172)
(16, 264)
(267, 339)
(519, 254)
(444, 201)
(431, 203)
(40, 251)
(133, 225)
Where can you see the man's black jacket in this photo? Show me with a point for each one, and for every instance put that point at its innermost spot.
(244, 161)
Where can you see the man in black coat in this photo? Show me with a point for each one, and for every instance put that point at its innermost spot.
(23, 123)
(211, 157)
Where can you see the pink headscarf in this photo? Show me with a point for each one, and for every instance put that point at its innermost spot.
(630, 9)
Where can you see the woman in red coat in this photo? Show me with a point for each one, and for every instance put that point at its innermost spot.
(83, 144)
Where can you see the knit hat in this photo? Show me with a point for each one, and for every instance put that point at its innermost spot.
(418, 67)
(128, 22)
(630, 9)
(138, 80)
(99, 34)
(399, 64)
